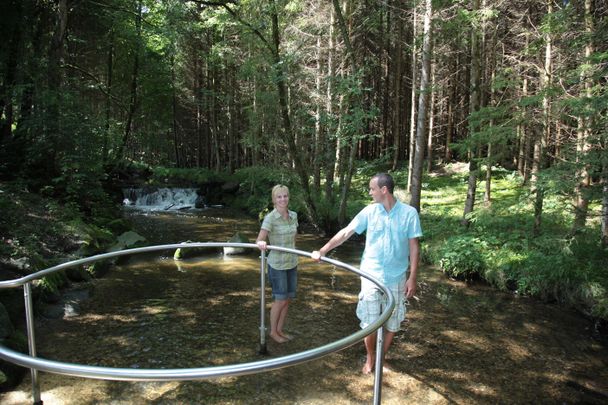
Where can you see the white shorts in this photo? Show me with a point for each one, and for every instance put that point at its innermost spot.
(372, 301)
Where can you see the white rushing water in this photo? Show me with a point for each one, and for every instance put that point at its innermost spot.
(161, 199)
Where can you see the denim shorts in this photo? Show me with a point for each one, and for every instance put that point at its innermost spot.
(372, 301)
(283, 282)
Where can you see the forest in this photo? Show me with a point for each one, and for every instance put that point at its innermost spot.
(321, 94)
(314, 86)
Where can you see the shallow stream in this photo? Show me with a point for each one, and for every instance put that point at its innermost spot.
(460, 344)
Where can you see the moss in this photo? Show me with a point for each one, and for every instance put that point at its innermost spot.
(12, 374)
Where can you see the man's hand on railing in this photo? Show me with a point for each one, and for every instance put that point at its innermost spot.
(316, 255)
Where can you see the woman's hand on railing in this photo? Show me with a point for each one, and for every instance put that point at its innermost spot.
(261, 244)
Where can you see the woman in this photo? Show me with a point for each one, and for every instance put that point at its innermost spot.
(280, 227)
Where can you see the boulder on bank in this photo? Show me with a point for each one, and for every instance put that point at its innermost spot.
(187, 252)
(12, 374)
(128, 240)
(236, 238)
(6, 326)
(200, 202)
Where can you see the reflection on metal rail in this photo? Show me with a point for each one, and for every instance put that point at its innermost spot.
(129, 374)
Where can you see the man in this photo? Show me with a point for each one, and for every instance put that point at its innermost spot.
(391, 246)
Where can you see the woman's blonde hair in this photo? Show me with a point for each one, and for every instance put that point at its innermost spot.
(277, 189)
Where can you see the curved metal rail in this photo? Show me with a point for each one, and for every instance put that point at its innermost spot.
(129, 374)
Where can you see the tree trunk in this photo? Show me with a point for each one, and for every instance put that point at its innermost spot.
(319, 138)
(134, 86)
(283, 104)
(604, 212)
(346, 184)
(174, 114)
(487, 195)
(397, 86)
(474, 104)
(55, 83)
(329, 149)
(536, 188)
(431, 108)
(109, 79)
(346, 175)
(581, 203)
(540, 146)
(423, 98)
(447, 153)
(8, 81)
(412, 138)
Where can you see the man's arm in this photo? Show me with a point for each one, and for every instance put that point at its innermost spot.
(338, 239)
(410, 284)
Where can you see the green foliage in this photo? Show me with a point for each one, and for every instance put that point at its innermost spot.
(255, 186)
(50, 284)
(499, 246)
(80, 185)
(96, 239)
(594, 297)
(164, 176)
(462, 257)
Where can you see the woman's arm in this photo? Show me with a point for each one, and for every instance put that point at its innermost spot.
(261, 239)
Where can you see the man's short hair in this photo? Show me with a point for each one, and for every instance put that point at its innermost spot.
(385, 179)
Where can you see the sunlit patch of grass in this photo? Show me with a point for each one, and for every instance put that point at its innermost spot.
(500, 246)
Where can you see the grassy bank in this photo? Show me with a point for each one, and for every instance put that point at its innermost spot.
(500, 248)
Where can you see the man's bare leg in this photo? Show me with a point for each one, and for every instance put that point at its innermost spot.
(370, 348)
(388, 339)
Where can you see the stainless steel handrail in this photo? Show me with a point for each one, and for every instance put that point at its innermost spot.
(128, 374)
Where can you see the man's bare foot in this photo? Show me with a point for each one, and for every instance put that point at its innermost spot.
(367, 368)
(278, 338)
(285, 335)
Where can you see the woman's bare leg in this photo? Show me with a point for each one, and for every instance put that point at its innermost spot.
(275, 315)
(282, 318)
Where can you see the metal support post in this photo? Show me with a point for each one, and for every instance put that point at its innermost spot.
(31, 339)
(378, 366)
(262, 349)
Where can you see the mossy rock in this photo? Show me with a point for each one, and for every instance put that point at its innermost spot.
(12, 299)
(78, 274)
(6, 325)
(11, 373)
(188, 252)
(100, 268)
(51, 283)
(236, 238)
(119, 225)
(128, 240)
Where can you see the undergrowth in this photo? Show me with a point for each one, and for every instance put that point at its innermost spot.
(500, 248)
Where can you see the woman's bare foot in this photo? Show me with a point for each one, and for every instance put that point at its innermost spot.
(285, 335)
(278, 338)
(367, 368)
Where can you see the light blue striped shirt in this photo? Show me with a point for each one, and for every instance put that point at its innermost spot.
(387, 248)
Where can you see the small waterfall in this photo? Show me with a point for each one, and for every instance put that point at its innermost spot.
(161, 198)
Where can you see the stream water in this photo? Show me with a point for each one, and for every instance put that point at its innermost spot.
(460, 344)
